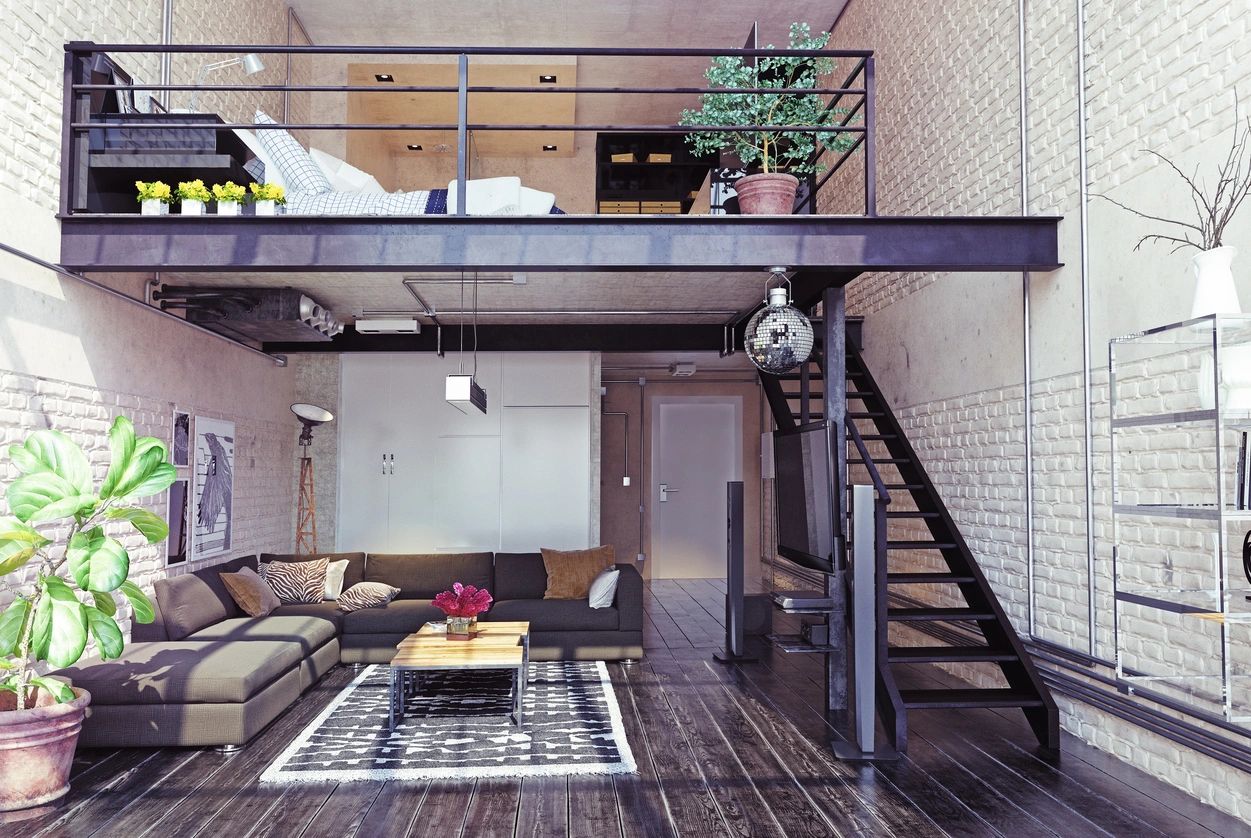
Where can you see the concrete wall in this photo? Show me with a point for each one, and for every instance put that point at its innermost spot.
(72, 358)
(949, 350)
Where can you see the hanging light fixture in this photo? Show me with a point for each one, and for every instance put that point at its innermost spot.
(779, 336)
(463, 391)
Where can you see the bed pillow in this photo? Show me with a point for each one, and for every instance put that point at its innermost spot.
(261, 167)
(536, 202)
(299, 172)
(343, 176)
(488, 196)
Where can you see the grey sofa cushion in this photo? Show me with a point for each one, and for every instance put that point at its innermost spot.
(328, 610)
(423, 576)
(199, 599)
(355, 570)
(310, 633)
(519, 576)
(555, 614)
(187, 672)
(399, 616)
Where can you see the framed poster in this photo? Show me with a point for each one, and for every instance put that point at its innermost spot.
(180, 445)
(177, 543)
(213, 508)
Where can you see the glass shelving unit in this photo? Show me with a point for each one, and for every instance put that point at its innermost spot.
(1181, 508)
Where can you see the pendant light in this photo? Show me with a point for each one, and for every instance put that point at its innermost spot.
(778, 337)
(462, 391)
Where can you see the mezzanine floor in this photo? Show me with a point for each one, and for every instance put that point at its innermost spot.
(737, 751)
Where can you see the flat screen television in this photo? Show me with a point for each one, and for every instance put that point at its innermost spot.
(802, 479)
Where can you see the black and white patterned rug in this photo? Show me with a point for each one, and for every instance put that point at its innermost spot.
(458, 726)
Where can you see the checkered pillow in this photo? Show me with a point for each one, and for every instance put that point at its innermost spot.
(299, 171)
(353, 203)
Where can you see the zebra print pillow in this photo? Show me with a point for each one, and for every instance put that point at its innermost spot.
(296, 583)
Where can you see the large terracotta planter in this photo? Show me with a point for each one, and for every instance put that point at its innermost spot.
(766, 194)
(37, 748)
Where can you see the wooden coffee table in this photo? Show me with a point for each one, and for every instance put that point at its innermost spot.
(495, 646)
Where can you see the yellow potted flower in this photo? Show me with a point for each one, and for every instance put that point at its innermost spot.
(229, 196)
(193, 196)
(153, 198)
(267, 197)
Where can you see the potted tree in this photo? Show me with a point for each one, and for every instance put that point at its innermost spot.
(69, 571)
(777, 155)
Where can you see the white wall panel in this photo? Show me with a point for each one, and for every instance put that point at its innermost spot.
(545, 490)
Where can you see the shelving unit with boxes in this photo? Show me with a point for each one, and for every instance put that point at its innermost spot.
(647, 174)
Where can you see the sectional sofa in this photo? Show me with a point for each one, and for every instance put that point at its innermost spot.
(204, 673)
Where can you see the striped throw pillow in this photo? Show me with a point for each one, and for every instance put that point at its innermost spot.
(296, 583)
(366, 595)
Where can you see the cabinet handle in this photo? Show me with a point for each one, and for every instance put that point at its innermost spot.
(384, 464)
(392, 464)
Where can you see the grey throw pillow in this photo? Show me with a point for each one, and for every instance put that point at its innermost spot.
(367, 595)
(604, 589)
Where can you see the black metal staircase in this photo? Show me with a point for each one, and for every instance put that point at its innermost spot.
(928, 540)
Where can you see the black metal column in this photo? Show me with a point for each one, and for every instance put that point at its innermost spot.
(834, 367)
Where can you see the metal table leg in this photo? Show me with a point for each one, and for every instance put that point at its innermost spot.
(391, 695)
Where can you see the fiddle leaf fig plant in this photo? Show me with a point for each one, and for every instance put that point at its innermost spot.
(58, 527)
(772, 150)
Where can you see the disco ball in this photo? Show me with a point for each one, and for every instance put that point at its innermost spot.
(778, 337)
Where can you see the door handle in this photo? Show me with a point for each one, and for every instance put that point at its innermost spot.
(665, 491)
(384, 464)
(392, 464)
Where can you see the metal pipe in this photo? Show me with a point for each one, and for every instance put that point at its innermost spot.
(1088, 410)
(359, 49)
(421, 88)
(1027, 333)
(462, 128)
(167, 60)
(65, 272)
(479, 126)
(625, 463)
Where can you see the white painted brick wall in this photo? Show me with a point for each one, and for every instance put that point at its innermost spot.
(262, 492)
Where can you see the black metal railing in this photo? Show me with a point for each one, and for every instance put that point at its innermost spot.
(855, 94)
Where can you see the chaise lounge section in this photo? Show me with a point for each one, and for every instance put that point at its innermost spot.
(204, 673)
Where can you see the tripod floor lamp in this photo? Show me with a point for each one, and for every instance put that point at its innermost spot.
(306, 517)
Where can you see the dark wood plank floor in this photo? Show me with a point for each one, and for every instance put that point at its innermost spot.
(741, 751)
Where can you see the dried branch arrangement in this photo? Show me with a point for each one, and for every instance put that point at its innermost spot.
(1214, 209)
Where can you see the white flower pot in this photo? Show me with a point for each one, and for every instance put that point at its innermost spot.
(1215, 292)
(192, 207)
(152, 206)
(227, 207)
(266, 208)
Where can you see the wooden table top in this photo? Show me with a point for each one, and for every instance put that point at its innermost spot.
(495, 646)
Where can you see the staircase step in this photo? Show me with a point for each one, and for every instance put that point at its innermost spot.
(865, 414)
(910, 513)
(876, 437)
(884, 461)
(937, 614)
(920, 545)
(959, 699)
(928, 579)
(946, 654)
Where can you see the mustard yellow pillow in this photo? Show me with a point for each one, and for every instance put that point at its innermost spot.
(571, 572)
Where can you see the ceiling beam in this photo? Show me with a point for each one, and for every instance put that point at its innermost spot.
(571, 243)
(568, 337)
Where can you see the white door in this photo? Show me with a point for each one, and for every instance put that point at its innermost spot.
(697, 447)
(368, 429)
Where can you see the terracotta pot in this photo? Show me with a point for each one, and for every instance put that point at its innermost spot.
(766, 194)
(37, 748)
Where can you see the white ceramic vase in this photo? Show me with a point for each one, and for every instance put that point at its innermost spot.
(227, 207)
(152, 206)
(192, 207)
(1215, 292)
(266, 208)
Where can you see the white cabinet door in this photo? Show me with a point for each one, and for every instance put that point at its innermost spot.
(546, 478)
(368, 428)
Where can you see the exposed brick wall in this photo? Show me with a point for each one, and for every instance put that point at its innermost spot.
(1160, 76)
(262, 496)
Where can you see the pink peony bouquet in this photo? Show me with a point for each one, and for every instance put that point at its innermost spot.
(463, 601)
